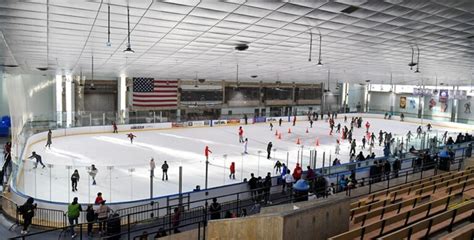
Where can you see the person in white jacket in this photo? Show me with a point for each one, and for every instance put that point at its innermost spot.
(245, 145)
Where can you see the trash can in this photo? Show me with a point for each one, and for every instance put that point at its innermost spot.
(300, 191)
(444, 161)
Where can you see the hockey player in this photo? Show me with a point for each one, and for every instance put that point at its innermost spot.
(37, 158)
(241, 135)
(131, 136)
(245, 145)
(48, 140)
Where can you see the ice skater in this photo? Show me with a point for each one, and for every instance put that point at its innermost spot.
(294, 120)
(241, 135)
(372, 138)
(206, 153)
(409, 135)
(367, 126)
(363, 142)
(74, 180)
(269, 149)
(311, 123)
(353, 147)
(428, 126)
(279, 122)
(164, 168)
(114, 126)
(232, 171)
(345, 118)
(49, 140)
(131, 136)
(338, 147)
(245, 145)
(338, 129)
(37, 157)
(277, 166)
(445, 136)
(467, 107)
(93, 173)
(271, 126)
(418, 132)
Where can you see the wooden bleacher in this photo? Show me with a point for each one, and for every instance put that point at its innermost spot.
(415, 210)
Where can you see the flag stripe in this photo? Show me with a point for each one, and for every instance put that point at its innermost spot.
(155, 105)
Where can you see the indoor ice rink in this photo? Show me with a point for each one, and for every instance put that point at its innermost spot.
(237, 119)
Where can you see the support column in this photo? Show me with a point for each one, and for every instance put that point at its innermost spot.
(367, 97)
(69, 96)
(59, 100)
(122, 97)
(454, 106)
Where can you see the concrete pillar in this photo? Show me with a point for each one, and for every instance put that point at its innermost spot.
(69, 101)
(122, 98)
(59, 99)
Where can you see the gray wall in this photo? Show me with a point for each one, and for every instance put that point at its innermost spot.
(100, 102)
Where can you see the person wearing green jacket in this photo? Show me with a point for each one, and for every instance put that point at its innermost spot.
(73, 212)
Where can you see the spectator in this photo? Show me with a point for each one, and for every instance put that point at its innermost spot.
(253, 186)
(113, 227)
(267, 184)
(90, 217)
(288, 181)
(342, 183)
(73, 212)
(176, 219)
(102, 215)
(215, 209)
(259, 189)
(297, 172)
(27, 211)
(396, 167)
(387, 170)
(331, 190)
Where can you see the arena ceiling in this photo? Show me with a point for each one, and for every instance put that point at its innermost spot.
(187, 39)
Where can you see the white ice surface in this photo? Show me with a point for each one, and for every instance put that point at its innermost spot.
(180, 146)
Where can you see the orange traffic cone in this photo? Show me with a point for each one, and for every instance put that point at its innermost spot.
(279, 136)
(298, 141)
(276, 133)
(317, 141)
(289, 130)
(307, 130)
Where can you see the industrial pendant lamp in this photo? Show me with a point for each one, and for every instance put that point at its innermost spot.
(418, 61)
(319, 60)
(310, 45)
(92, 79)
(411, 64)
(129, 46)
(108, 26)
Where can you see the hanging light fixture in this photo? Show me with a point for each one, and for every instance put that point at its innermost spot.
(92, 87)
(319, 60)
(129, 46)
(418, 61)
(108, 26)
(310, 45)
(436, 88)
(411, 64)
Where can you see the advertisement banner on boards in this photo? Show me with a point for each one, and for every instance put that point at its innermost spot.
(233, 121)
(259, 119)
(219, 122)
(198, 123)
(177, 125)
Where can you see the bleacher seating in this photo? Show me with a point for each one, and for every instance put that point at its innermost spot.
(416, 210)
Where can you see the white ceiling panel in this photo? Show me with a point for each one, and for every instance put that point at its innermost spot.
(179, 38)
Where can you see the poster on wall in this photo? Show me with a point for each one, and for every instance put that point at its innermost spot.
(432, 104)
(443, 100)
(403, 102)
(412, 103)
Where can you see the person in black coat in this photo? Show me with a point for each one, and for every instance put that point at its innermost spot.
(396, 167)
(253, 185)
(114, 227)
(387, 169)
(215, 209)
(27, 210)
(269, 149)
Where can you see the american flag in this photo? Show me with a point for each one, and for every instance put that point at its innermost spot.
(148, 92)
